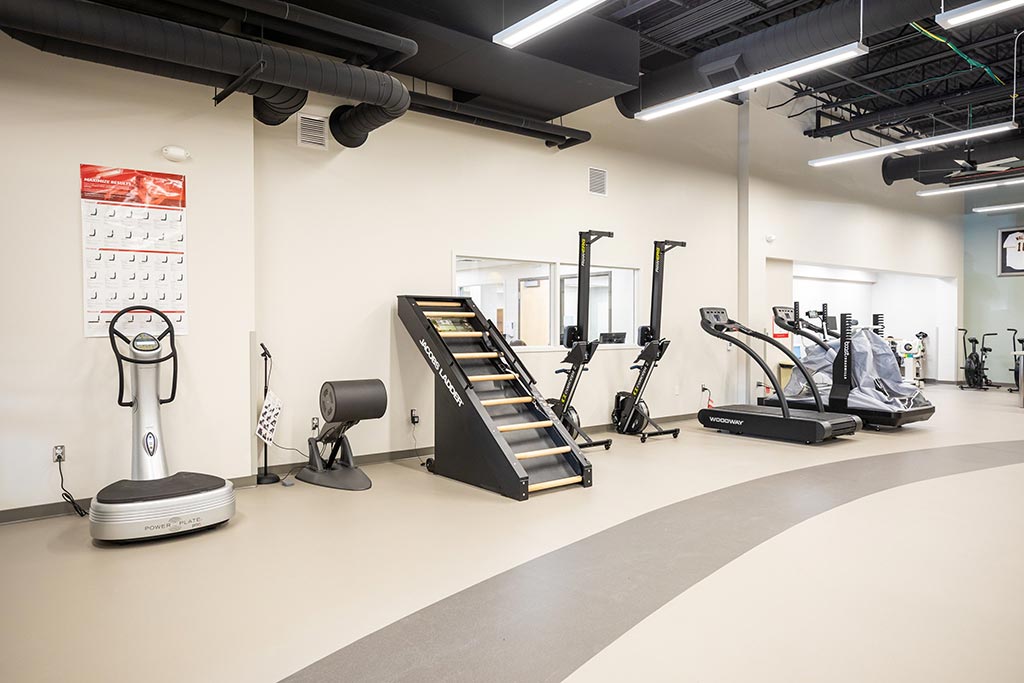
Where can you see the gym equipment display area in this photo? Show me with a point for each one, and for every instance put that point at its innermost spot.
(630, 414)
(492, 428)
(153, 504)
(782, 422)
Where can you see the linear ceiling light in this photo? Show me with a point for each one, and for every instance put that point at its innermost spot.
(782, 73)
(969, 187)
(915, 144)
(1001, 207)
(543, 20)
(975, 11)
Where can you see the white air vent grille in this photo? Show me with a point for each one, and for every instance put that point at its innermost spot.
(599, 182)
(312, 131)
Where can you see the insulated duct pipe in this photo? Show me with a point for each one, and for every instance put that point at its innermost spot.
(806, 35)
(383, 98)
(271, 104)
(400, 48)
(935, 167)
(555, 136)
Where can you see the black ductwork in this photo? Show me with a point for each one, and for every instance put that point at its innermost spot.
(383, 98)
(935, 167)
(396, 49)
(271, 104)
(808, 34)
(554, 136)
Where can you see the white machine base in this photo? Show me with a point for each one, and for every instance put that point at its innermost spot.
(149, 519)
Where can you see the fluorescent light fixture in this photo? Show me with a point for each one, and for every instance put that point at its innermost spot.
(1001, 207)
(781, 73)
(543, 20)
(915, 144)
(969, 187)
(975, 11)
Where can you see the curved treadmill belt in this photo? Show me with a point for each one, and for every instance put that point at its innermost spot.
(807, 426)
(883, 418)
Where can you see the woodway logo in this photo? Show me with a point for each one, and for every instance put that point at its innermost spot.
(440, 373)
(726, 420)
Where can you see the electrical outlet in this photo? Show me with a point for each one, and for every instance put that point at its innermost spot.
(675, 389)
(59, 454)
(414, 417)
(315, 423)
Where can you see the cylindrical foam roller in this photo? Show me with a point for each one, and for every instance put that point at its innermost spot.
(353, 400)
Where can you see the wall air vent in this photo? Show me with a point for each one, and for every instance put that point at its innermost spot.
(312, 131)
(599, 182)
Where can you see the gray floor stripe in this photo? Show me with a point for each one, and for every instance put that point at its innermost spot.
(542, 620)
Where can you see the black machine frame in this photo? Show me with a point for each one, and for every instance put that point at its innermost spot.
(775, 422)
(1017, 360)
(581, 350)
(630, 414)
(975, 365)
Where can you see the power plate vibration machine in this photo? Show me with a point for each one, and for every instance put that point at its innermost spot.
(153, 504)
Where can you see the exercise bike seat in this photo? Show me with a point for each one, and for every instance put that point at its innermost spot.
(972, 340)
(174, 486)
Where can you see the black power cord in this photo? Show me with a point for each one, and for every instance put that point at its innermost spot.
(66, 495)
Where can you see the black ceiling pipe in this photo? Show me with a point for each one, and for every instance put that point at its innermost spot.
(271, 104)
(808, 34)
(382, 97)
(935, 167)
(555, 136)
(932, 105)
(398, 48)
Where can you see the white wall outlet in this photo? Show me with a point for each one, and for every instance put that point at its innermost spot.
(59, 454)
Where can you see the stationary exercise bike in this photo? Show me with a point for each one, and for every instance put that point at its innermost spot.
(975, 362)
(152, 504)
(1017, 360)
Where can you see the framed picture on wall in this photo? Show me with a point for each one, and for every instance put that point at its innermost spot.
(1011, 252)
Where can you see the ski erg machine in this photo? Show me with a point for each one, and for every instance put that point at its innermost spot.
(152, 504)
(630, 414)
(782, 422)
(581, 351)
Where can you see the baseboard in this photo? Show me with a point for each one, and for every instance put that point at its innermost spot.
(33, 512)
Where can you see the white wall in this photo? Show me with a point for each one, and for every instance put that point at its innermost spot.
(340, 235)
(57, 387)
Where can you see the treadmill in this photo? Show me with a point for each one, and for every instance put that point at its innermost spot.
(774, 422)
(789, 319)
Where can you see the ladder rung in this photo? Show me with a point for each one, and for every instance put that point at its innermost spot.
(440, 304)
(554, 483)
(460, 335)
(449, 314)
(475, 355)
(542, 452)
(519, 426)
(492, 378)
(506, 401)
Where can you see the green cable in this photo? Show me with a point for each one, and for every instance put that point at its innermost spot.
(970, 60)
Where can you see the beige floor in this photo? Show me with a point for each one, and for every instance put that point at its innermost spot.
(302, 571)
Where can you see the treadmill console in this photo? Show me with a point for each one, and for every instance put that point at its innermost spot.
(784, 313)
(717, 317)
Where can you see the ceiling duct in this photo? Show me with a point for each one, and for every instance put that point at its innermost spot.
(806, 35)
(939, 167)
(159, 43)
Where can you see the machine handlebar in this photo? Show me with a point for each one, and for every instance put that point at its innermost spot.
(114, 334)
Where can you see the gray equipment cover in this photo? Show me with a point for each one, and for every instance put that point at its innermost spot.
(877, 381)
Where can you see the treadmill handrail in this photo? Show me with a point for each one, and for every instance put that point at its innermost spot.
(710, 329)
(796, 361)
(789, 327)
